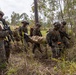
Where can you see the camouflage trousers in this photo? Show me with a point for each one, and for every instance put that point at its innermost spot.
(36, 45)
(26, 45)
(2, 57)
(56, 51)
(7, 49)
(2, 52)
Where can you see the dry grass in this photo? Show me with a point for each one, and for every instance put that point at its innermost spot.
(22, 63)
(29, 64)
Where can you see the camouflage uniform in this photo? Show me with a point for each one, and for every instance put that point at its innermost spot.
(22, 31)
(3, 58)
(63, 34)
(6, 42)
(53, 37)
(37, 32)
(2, 47)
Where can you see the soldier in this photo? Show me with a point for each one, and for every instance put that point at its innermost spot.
(3, 57)
(53, 39)
(1, 18)
(23, 28)
(63, 34)
(6, 42)
(22, 31)
(37, 32)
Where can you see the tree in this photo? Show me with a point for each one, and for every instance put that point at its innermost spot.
(24, 16)
(47, 9)
(16, 18)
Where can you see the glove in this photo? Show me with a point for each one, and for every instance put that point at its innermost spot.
(58, 43)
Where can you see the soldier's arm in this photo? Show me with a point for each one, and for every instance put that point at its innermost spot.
(48, 39)
(66, 35)
(40, 33)
(4, 22)
(20, 31)
(63, 33)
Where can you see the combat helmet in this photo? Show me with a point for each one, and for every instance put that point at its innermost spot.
(57, 24)
(38, 24)
(25, 22)
(1, 13)
(63, 22)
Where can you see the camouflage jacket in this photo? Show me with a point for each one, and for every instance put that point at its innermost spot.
(23, 30)
(3, 34)
(37, 32)
(63, 33)
(3, 21)
(53, 36)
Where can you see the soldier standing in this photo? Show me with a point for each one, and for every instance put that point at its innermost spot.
(37, 32)
(1, 18)
(63, 34)
(22, 31)
(23, 28)
(3, 34)
(6, 41)
(53, 39)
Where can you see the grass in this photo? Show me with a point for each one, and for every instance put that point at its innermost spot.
(12, 71)
(66, 68)
(34, 66)
(26, 64)
(44, 32)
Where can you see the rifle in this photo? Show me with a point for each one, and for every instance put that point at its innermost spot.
(7, 28)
